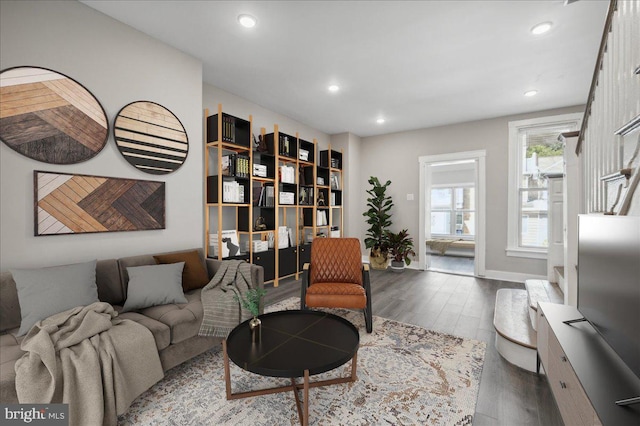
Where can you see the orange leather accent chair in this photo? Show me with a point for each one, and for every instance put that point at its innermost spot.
(336, 277)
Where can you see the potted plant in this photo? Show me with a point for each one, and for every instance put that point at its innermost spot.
(378, 217)
(251, 302)
(400, 249)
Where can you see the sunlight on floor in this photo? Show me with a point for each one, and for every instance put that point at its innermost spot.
(452, 264)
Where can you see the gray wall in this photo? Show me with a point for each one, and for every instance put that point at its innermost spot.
(118, 65)
(262, 117)
(352, 216)
(395, 157)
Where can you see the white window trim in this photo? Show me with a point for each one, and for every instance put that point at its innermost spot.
(515, 165)
(425, 199)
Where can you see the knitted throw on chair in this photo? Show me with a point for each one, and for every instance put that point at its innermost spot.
(222, 311)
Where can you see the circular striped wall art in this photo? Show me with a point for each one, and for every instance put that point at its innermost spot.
(150, 137)
(49, 117)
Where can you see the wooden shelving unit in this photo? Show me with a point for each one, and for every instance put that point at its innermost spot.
(279, 188)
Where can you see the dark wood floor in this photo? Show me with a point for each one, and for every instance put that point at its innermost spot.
(454, 264)
(462, 306)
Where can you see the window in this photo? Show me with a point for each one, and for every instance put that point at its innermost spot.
(453, 211)
(534, 153)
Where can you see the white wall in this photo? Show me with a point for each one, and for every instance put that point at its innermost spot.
(395, 157)
(118, 65)
(262, 117)
(352, 216)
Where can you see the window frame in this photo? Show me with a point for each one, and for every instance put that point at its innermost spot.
(452, 210)
(515, 175)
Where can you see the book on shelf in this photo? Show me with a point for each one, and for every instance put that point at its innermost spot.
(321, 218)
(288, 198)
(235, 165)
(283, 237)
(232, 192)
(260, 170)
(285, 145)
(287, 174)
(225, 169)
(335, 181)
(263, 196)
(270, 196)
(228, 128)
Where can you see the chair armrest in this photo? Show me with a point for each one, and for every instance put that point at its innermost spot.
(304, 283)
(366, 282)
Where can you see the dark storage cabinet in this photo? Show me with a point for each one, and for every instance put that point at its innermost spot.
(304, 255)
(266, 259)
(287, 261)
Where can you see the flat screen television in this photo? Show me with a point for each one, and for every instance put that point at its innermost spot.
(609, 281)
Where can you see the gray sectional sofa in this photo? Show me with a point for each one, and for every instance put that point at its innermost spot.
(174, 327)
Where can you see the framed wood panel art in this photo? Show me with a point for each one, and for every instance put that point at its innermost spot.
(76, 204)
(150, 137)
(49, 117)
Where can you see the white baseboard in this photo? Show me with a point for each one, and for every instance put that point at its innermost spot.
(516, 277)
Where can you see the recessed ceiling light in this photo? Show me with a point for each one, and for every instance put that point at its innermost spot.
(334, 88)
(247, 21)
(380, 120)
(541, 28)
(530, 93)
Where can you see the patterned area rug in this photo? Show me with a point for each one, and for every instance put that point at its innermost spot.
(407, 375)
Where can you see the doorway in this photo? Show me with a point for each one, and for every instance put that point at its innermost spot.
(452, 213)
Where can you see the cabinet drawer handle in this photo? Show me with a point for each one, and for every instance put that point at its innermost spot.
(563, 358)
(563, 385)
(258, 258)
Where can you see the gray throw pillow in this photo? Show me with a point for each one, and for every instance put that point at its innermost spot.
(47, 291)
(154, 285)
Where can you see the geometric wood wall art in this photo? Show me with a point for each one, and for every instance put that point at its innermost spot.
(50, 117)
(150, 137)
(75, 204)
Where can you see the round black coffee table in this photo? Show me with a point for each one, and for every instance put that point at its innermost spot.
(292, 344)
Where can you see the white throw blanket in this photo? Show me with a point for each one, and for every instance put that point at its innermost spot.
(90, 359)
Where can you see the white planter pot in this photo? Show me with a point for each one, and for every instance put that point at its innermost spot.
(397, 266)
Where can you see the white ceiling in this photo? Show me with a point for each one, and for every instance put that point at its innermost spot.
(416, 63)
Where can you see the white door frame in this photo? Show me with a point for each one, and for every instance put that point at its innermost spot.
(425, 201)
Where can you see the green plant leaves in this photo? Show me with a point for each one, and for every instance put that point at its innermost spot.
(379, 205)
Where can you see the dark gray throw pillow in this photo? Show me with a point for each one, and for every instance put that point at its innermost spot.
(154, 285)
(47, 291)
